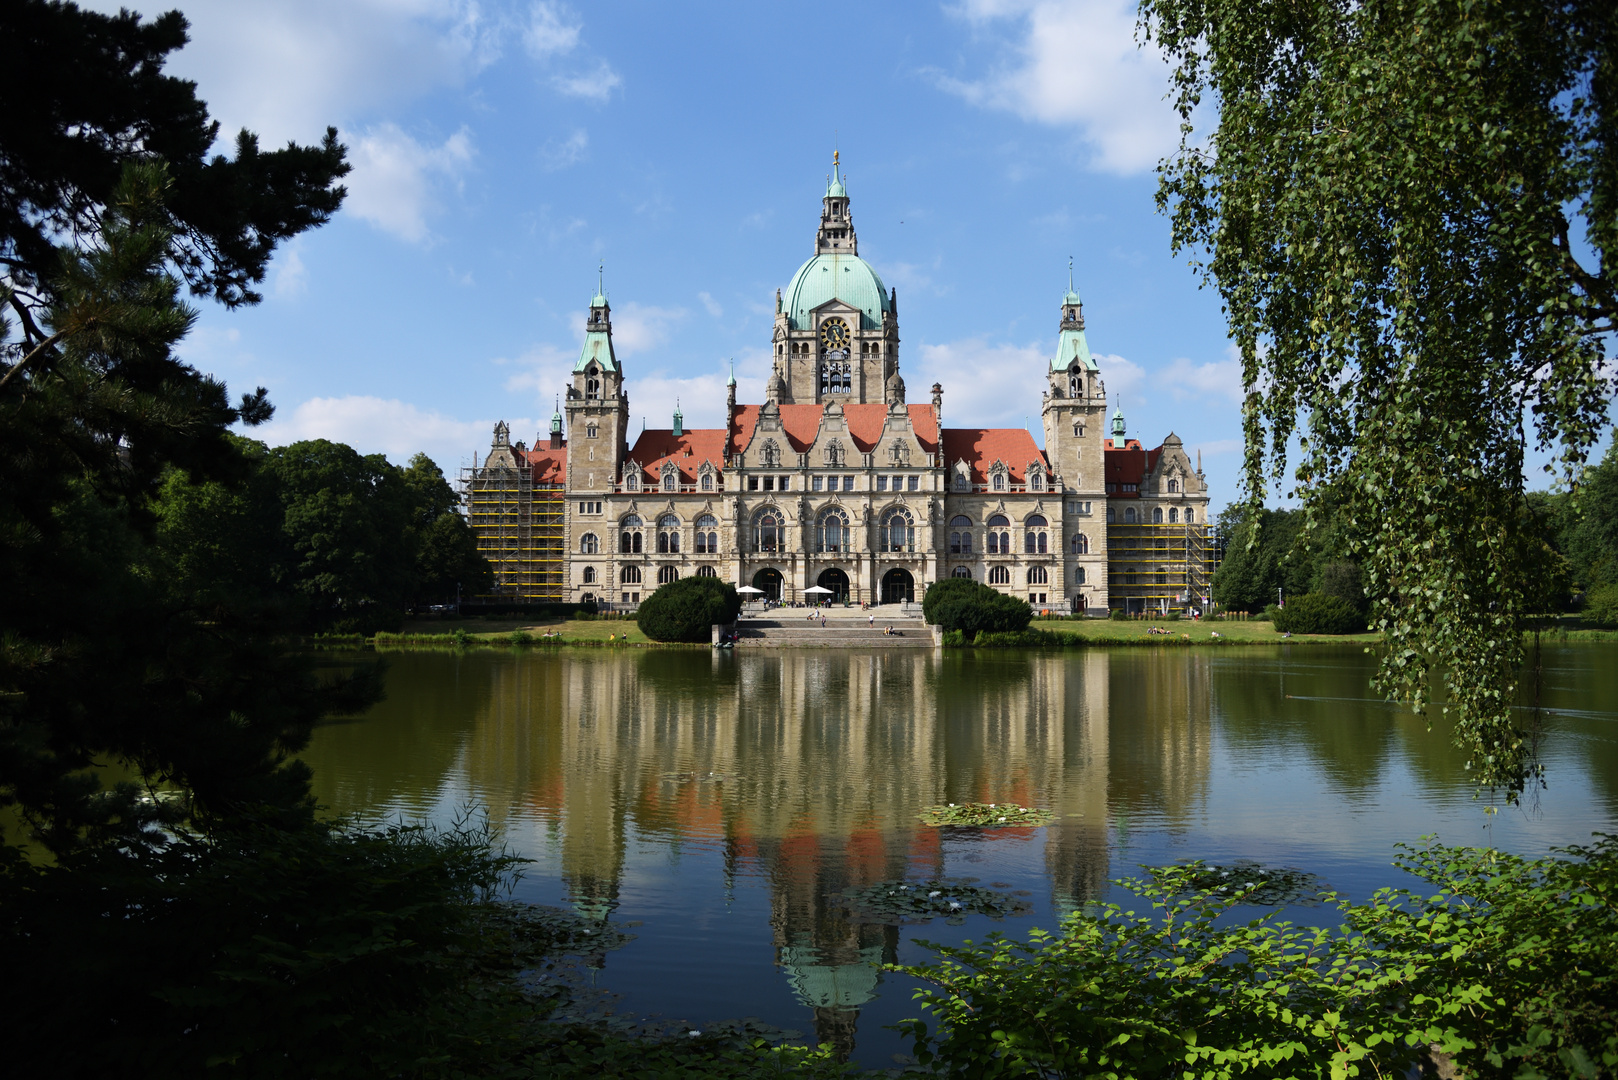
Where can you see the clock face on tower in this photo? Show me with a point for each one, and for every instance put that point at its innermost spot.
(834, 335)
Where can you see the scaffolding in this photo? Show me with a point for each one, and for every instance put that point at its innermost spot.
(520, 527)
(1159, 568)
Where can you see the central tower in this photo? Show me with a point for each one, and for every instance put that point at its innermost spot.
(837, 326)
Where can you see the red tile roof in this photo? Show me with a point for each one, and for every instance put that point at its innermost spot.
(1130, 464)
(687, 450)
(982, 447)
(865, 422)
(549, 466)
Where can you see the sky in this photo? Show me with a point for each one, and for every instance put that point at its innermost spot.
(503, 152)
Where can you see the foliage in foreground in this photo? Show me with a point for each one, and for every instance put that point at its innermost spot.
(1511, 967)
(1408, 209)
(687, 609)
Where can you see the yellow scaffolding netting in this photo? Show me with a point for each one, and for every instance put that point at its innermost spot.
(521, 529)
(1160, 567)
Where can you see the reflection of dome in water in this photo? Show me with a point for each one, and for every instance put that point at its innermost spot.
(831, 986)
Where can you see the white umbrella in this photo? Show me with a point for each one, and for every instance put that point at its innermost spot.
(749, 589)
(816, 588)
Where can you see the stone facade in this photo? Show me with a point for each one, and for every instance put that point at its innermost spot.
(837, 481)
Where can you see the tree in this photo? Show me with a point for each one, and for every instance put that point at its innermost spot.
(1391, 206)
(85, 96)
(346, 518)
(972, 607)
(447, 556)
(688, 609)
(104, 657)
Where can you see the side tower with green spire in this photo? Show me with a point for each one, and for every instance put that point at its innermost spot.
(1074, 413)
(597, 407)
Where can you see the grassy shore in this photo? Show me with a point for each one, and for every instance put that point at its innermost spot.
(1141, 632)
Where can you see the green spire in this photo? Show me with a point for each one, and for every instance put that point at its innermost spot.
(600, 298)
(834, 187)
(679, 420)
(1118, 425)
(556, 418)
(1072, 296)
(732, 381)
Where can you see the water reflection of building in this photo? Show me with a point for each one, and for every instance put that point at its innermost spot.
(1161, 733)
(806, 767)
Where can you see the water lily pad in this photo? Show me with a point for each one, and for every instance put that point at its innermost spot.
(984, 815)
(1265, 886)
(896, 903)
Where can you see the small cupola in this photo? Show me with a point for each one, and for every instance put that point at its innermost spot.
(679, 420)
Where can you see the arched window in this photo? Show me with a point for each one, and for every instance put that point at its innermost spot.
(1081, 544)
(589, 575)
(630, 575)
(1157, 515)
(1075, 382)
(767, 532)
(1129, 515)
(999, 481)
(592, 387)
(961, 571)
(960, 537)
(629, 535)
(1174, 515)
(666, 574)
(897, 533)
(707, 481)
(1188, 516)
(589, 544)
(707, 535)
(1036, 576)
(831, 533)
(1033, 540)
(671, 479)
(999, 536)
(668, 535)
(999, 575)
(1036, 482)
(1080, 572)
(1111, 514)
(706, 571)
(1174, 485)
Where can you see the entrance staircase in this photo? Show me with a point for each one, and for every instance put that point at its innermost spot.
(846, 628)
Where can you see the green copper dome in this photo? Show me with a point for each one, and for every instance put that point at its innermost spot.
(848, 278)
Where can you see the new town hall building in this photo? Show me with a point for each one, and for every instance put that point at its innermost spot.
(838, 480)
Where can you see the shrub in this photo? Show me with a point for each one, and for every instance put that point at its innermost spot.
(687, 609)
(1317, 613)
(972, 608)
(1508, 964)
(1173, 616)
(1118, 615)
(1601, 605)
(947, 590)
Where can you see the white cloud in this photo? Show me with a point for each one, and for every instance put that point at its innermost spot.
(291, 276)
(395, 178)
(388, 426)
(570, 151)
(544, 370)
(287, 69)
(596, 84)
(552, 30)
(972, 397)
(1075, 63)
(638, 327)
(1220, 379)
(1122, 377)
(711, 304)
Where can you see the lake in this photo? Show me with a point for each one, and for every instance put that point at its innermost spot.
(726, 804)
